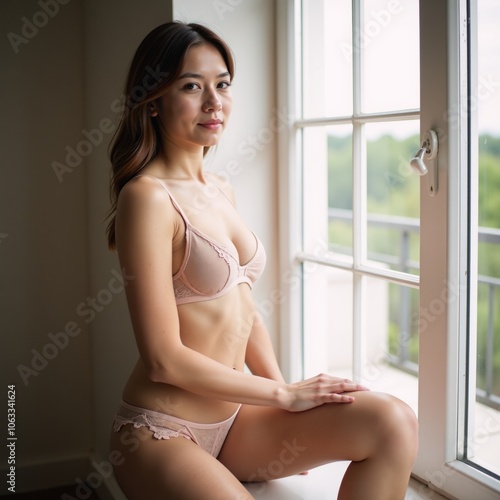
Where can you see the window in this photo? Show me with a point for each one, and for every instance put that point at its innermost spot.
(389, 282)
(357, 241)
(482, 429)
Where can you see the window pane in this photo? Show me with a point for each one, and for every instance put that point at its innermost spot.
(389, 41)
(392, 360)
(327, 321)
(390, 340)
(393, 195)
(484, 438)
(340, 189)
(327, 61)
(327, 184)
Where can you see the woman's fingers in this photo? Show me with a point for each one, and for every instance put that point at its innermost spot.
(333, 397)
(348, 386)
(320, 390)
(335, 384)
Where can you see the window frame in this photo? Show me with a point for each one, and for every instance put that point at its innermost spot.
(448, 256)
(445, 259)
(292, 257)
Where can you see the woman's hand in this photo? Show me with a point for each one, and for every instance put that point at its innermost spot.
(319, 390)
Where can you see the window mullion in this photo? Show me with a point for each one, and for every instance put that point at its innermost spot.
(407, 114)
(358, 198)
(290, 199)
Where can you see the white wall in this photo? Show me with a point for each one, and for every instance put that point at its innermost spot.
(63, 80)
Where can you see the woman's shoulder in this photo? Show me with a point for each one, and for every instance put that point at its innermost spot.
(142, 185)
(145, 192)
(144, 214)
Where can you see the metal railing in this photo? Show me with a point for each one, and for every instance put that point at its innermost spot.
(400, 260)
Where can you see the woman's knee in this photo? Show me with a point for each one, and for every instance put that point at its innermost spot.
(396, 426)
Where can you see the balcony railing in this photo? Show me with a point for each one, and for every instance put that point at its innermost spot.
(406, 226)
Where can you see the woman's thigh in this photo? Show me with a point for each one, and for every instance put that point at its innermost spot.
(267, 443)
(157, 469)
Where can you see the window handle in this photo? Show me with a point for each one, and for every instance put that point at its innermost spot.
(428, 151)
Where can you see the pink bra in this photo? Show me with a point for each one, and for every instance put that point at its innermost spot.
(209, 269)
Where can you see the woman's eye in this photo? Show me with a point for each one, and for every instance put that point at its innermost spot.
(224, 85)
(191, 86)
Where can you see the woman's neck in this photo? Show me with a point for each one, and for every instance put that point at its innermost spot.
(181, 163)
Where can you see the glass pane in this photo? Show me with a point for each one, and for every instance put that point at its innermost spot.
(389, 40)
(393, 195)
(392, 353)
(327, 58)
(484, 441)
(327, 153)
(340, 189)
(327, 321)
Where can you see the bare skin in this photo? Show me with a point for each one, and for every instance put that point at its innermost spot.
(192, 356)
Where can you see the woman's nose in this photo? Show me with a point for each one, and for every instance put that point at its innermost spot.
(212, 103)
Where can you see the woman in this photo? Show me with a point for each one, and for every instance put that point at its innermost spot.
(192, 423)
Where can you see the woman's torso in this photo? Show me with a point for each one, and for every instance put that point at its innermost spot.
(216, 327)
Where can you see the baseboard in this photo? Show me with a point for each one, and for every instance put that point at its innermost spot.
(50, 473)
(86, 472)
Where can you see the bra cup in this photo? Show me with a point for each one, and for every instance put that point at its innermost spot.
(210, 271)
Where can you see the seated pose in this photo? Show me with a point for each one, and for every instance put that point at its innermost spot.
(193, 424)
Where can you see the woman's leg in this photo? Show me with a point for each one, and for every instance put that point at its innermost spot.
(377, 432)
(157, 469)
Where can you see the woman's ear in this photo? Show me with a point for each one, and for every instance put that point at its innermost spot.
(152, 109)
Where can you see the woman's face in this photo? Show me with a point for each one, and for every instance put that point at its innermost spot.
(194, 110)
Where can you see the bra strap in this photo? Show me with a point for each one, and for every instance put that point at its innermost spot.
(172, 199)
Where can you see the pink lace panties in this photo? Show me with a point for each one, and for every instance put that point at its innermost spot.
(210, 437)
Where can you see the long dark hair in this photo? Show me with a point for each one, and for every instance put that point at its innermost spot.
(156, 65)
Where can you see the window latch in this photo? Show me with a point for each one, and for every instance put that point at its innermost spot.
(428, 151)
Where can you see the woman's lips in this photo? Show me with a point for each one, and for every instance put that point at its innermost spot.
(212, 124)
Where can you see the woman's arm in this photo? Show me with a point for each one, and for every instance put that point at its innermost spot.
(147, 228)
(260, 357)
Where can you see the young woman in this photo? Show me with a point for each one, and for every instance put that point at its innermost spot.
(192, 423)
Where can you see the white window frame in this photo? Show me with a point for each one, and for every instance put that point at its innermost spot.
(290, 349)
(445, 270)
(444, 230)
(291, 254)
